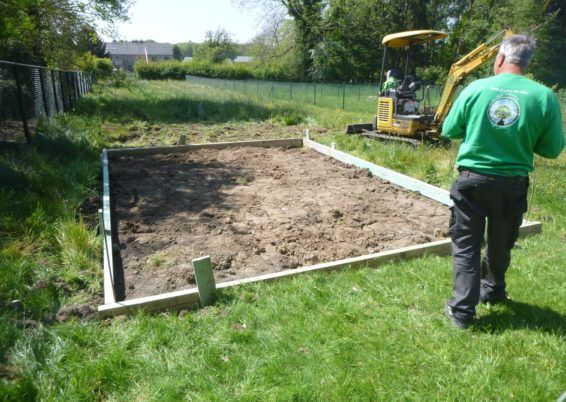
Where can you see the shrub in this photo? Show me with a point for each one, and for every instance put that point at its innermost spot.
(175, 70)
(100, 67)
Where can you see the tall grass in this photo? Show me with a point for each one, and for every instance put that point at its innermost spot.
(42, 238)
(371, 334)
(177, 102)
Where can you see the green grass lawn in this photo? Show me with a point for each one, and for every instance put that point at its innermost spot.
(364, 335)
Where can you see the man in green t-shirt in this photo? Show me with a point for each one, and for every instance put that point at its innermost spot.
(502, 121)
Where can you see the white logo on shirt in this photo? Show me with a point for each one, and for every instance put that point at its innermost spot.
(503, 111)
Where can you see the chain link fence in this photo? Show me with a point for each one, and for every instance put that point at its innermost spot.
(29, 93)
(348, 97)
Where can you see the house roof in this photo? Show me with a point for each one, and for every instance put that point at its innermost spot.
(139, 49)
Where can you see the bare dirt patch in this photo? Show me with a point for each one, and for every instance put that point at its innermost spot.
(255, 211)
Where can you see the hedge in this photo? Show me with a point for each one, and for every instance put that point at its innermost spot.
(176, 70)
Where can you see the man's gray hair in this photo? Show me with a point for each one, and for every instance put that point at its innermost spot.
(518, 49)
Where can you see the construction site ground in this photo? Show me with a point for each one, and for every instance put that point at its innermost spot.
(255, 211)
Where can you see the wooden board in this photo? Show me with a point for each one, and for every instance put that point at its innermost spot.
(106, 231)
(427, 190)
(187, 297)
(293, 142)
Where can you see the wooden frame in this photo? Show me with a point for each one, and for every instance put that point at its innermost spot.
(185, 298)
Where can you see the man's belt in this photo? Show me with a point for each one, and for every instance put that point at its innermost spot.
(513, 179)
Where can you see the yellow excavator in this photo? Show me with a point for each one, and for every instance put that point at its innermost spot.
(401, 114)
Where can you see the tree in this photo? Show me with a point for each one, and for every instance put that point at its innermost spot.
(47, 32)
(350, 48)
(340, 40)
(274, 49)
(186, 48)
(483, 18)
(217, 47)
(89, 41)
(177, 55)
(307, 21)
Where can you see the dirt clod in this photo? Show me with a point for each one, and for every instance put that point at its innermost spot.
(82, 311)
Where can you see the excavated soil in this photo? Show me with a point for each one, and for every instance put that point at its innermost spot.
(255, 211)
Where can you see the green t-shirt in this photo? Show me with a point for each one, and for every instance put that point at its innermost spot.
(390, 83)
(503, 120)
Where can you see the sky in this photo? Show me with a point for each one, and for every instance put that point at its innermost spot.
(176, 21)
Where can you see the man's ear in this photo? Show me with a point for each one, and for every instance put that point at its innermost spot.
(500, 60)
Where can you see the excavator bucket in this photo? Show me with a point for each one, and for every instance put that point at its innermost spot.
(358, 128)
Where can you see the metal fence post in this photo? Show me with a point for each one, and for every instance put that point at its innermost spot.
(43, 91)
(63, 91)
(68, 94)
(54, 85)
(343, 96)
(21, 105)
(68, 91)
(72, 89)
(76, 86)
(291, 91)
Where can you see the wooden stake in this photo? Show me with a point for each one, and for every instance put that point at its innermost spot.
(182, 139)
(205, 280)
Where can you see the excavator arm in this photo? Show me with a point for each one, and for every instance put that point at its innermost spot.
(460, 70)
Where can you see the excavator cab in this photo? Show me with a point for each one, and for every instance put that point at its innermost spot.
(398, 108)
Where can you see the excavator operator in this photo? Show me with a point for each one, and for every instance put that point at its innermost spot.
(393, 80)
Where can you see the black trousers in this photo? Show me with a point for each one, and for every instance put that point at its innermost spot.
(479, 199)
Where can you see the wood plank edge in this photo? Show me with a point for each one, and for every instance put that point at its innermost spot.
(190, 296)
(291, 142)
(107, 251)
(151, 303)
(427, 190)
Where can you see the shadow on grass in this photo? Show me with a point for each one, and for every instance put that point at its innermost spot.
(176, 109)
(518, 315)
(46, 174)
(42, 184)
